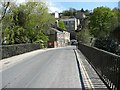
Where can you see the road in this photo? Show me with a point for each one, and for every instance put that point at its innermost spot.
(55, 68)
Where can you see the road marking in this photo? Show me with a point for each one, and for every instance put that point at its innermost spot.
(87, 82)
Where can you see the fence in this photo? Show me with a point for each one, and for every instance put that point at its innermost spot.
(11, 50)
(106, 64)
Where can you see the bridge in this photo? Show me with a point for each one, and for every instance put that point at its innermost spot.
(83, 68)
(107, 65)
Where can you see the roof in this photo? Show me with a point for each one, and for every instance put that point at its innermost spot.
(68, 19)
(80, 15)
(57, 29)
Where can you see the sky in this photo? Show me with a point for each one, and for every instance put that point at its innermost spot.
(85, 5)
(60, 5)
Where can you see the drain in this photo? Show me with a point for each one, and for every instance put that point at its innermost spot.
(6, 62)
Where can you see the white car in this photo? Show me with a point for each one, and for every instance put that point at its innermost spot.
(73, 42)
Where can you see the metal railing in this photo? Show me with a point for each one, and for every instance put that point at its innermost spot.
(106, 64)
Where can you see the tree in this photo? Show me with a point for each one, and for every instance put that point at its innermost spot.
(104, 24)
(38, 19)
(8, 25)
(100, 22)
(43, 39)
(84, 36)
(116, 28)
(61, 25)
(24, 23)
(82, 10)
(119, 5)
(87, 12)
(107, 43)
(70, 12)
(4, 6)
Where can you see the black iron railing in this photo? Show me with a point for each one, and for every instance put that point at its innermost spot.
(106, 64)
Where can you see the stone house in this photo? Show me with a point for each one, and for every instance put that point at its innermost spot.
(58, 37)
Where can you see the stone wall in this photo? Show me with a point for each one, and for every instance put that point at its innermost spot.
(12, 50)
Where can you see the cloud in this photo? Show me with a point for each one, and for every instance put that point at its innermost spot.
(52, 6)
(20, 1)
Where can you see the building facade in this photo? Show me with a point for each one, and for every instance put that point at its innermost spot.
(71, 25)
(58, 38)
(56, 14)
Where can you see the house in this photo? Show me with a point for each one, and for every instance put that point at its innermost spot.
(66, 37)
(58, 37)
(71, 25)
(56, 14)
(81, 17)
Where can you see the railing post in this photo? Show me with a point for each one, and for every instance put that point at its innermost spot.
(118, 73)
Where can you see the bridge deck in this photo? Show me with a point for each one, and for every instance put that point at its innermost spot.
(60, 71)
(91, 79)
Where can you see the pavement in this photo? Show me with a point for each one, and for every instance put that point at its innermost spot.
(90, 78)
(64, 67)
(9, 62)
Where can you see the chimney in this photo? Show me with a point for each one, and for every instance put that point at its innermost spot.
(56, 14)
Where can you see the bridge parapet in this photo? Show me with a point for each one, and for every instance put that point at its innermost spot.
(106, 64)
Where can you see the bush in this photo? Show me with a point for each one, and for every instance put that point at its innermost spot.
(107, 44)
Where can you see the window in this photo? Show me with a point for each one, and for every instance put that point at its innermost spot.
(72, 22)
(72, 25)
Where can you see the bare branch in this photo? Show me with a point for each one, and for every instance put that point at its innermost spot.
(5, 5)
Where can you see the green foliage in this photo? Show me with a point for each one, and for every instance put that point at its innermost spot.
(8, 36)
(82, 10)
(19, 35)
(108, 44)
(116, 25)
(84, 36)
(70, 12)
(26, 22)
(15, 35)
(100, 21)
(41, 38)
(87, 12)
(104, 25)
(61, 25)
